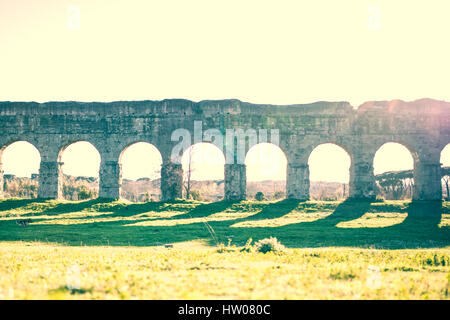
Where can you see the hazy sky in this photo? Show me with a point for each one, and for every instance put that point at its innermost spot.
(261, 51)
(266, 51)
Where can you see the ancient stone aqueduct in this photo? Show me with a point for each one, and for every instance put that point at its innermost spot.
(423, 126)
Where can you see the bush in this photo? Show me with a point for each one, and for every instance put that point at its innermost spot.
(269, 245)
(145, 197)
(248, 246)
(342, 275)
(279, 195)
(226, 248)
(195, 195)
(84, 193)
(259, 196)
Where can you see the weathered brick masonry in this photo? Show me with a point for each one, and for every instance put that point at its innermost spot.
(423, 126)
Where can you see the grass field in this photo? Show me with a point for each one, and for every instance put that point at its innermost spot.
(192, 250)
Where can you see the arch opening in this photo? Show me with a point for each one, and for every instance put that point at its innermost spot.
(266, 172)
(329, 172)
(80, 163)
(203, 167)
(141, 172)
(20, 162)
(445, 171)
(393, 167)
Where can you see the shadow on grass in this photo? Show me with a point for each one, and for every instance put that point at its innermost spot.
(205, 210)
(419, 230)
(11, 204)
(346, 211)
(66, 207)
(110, 207)
(423, 214)
(275, 210)
(54, 208)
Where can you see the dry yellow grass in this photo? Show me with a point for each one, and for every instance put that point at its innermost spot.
(115, 250)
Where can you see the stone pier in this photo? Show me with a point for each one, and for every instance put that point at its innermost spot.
(110, 180)
(235, 182)
(50, 180)
(297, 181)
(427, 181)
(171, 181)
(1, 180)
(362, 181)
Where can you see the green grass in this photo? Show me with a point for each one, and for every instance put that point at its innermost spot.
(338, 250)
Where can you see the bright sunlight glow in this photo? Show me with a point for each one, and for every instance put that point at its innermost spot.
(392, 157)
(329, 162)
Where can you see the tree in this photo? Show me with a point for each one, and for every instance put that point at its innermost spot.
(259, 196)
(84, 193)
(279, 195)
(446, 180)
(188, 173)
(396, 185)
(145, 197)
(196, 195)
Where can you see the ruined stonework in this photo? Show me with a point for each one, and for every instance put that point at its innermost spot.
(362, 181)
(235, 182)
(428, 181)
(50, 180)
(171, 181)
(297, 181)
(1, 181)
(111, 175)
(423, 126)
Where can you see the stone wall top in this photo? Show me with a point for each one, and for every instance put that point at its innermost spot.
(227, 106)
(169, 106)
(421, 106)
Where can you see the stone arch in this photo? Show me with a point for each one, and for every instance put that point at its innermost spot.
(325, 182)
(134, 143)
(28, 177)
(84, 186)
(445, 156)
(69, 143)
(211, 171)
(445, 171)
(346, 147)
(402, 148)
(299, 150)
(399, 156)
(145, 183)
(266, 166)
(31, 146)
